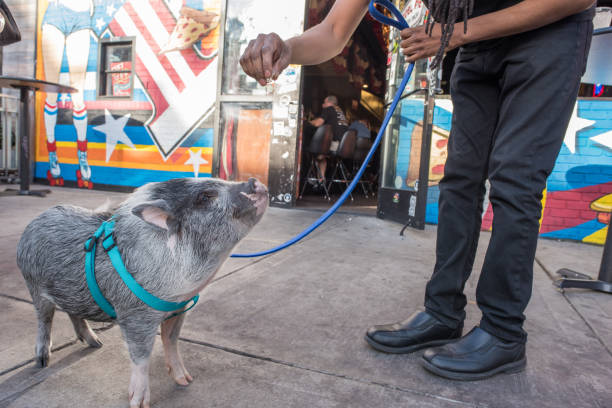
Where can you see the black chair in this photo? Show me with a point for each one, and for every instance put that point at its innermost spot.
(362, 147)
(319, 145)
(345, 151)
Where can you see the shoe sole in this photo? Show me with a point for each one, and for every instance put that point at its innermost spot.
(509, 368)
(407, 349)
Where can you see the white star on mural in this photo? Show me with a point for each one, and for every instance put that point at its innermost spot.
(196, 159)
(576, 124)
(110, 9)
(445, 104)
(604, 139)
(113, 129)
(100, 23)
(64, 97)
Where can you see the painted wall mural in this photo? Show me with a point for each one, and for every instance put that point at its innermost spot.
(578, 198)
(146, 75)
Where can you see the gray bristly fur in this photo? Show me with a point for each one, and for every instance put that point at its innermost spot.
(206, 218)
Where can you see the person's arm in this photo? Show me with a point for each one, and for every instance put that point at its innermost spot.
(317, 122)
(524, 16)
(326, 117)
(268, 55)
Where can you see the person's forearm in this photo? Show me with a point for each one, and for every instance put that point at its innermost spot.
(314, 46)
(524, 16)
(327, 39)
(317, 122)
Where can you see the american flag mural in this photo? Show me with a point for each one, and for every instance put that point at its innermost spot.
(153, 120)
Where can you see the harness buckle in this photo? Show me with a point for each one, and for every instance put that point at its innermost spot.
(108, 242)
(89, 244)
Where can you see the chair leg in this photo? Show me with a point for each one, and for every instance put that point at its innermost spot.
(309, 176)
(345, 177)
(322, 177)
(361, 182)
(332, 179)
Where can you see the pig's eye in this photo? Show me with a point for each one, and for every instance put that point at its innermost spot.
(205, 197)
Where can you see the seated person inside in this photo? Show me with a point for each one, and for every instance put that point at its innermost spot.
(362, 127)
(330, 115)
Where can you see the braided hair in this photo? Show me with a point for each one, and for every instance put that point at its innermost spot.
(446, 13)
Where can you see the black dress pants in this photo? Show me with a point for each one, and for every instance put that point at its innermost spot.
(512, 104)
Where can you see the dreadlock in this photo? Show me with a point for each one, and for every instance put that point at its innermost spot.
(446, 12)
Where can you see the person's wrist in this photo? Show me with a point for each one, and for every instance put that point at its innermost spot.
(289, 49)
(458, 38)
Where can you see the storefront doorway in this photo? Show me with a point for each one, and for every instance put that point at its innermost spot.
(356, 78)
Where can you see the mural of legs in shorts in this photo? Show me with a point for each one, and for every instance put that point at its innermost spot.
(66, 27)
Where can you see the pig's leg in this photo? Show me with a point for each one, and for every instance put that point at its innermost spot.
(84, 332)
(139, 337)
(170, 330)
(45, 310)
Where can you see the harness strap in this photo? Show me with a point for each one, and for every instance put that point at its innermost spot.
(109, 245)
(90, 275)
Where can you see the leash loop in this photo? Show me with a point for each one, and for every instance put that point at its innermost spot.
(400, 23)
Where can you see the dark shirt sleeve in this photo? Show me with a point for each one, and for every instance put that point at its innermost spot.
(329, 115)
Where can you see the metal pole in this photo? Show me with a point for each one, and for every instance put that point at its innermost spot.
(605, 270)
(421, 201)
(24, 162)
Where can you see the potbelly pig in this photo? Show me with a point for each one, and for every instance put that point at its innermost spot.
(172, 236)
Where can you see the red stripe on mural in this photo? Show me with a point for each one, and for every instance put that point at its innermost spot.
(159, 101)
(164, 14)
(163, 60)
(196, 64)
(118, 105)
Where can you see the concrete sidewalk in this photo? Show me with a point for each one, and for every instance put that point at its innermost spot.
(287, 330)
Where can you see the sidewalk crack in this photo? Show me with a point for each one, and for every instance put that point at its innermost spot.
(329, 373)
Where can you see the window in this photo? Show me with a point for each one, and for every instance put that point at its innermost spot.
(116, 66)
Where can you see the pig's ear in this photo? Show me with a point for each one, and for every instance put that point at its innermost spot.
(154, 212)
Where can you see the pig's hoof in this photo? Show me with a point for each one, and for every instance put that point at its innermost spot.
(42, 360)
(181, 381)
(182, 377)
(95, 343)
(92, 341)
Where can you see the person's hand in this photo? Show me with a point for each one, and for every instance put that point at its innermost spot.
(266, 57)
(416, 44)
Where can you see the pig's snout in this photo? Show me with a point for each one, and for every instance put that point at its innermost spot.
(257, 193)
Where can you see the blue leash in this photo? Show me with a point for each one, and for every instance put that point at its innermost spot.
(400, 24)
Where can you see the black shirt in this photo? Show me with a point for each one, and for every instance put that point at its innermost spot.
(489, 6)
(333, 115)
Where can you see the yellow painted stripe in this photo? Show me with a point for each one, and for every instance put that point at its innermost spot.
(143, 166)
(146, 148)
(598, 237)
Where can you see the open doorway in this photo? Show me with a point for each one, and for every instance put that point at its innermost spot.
(356, 78)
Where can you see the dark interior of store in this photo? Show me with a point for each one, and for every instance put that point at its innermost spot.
(357, 78)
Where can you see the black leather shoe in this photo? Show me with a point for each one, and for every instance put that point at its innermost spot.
(419, 331)
(476, 356)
